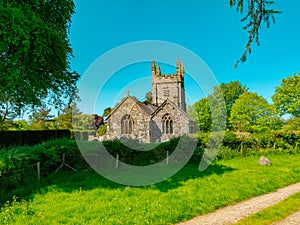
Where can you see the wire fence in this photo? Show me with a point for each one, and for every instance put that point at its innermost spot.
(29, 178)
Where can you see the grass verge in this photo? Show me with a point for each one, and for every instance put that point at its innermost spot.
(88, 198)
(274, 213)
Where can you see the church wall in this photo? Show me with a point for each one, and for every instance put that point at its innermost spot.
(180, 124)
(141, 128)
(141, 122)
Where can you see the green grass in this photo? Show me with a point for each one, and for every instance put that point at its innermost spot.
(274, 213)
(88, 198)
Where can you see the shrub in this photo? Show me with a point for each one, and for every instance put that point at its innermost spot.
(231, 140)
(30, 137)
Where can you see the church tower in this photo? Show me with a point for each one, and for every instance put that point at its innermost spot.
(168, 86)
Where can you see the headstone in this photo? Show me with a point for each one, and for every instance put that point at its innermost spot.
(264, 161)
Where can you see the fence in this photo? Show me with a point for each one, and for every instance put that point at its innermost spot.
(21, 182)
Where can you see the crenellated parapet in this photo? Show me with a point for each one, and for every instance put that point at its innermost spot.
(177, 76)
(168, 86)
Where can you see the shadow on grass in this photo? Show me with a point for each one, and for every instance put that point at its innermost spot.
(68, 181)
(190, 171)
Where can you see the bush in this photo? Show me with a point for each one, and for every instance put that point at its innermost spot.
(83, 134)
(231, 140)
(31, 137)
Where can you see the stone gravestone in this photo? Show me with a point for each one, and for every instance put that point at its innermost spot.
(264, 161)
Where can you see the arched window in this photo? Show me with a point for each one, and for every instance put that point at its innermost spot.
(167, 124)
(126, 124)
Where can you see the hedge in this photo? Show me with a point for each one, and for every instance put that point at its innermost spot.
(31, 137)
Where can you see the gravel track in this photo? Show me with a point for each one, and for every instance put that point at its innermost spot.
(234, 213)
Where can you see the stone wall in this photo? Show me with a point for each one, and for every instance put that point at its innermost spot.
(140, 126)
(181, 125)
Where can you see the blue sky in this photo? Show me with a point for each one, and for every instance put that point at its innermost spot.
(208, 28)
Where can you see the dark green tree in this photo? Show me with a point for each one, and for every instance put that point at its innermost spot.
(7, 115)
(35, 53)
(256, 12)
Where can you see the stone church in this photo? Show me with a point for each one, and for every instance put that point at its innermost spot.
(162, 119)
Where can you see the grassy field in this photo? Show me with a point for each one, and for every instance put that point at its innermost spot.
(87, 198)
(274, 213)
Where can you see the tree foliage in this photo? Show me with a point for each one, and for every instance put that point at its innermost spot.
(20, 125)
(200, 112)
(107, 111)
(217, 109)
(287, 96)
(231, 92)
(65, 119)
(292, 123)
(252, 113)
(102, 130)
(148, 97)
(42, 120)
(35, 53)
(256, 12)
(7, 114)
(97, 121)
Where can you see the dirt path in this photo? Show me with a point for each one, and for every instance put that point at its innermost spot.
(291, 219)
(232, 214)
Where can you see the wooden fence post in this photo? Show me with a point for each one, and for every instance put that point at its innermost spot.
(117, 161)
(167, 157)
(39, 172)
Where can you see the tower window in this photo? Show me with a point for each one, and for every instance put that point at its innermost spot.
(167, 124)
(166, 92)
(126, 124)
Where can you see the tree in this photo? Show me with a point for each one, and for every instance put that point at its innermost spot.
(107, 111)
(256, 13)
(97, 121)
(42, 120)
(102, 130)
(148, 97)
(287, 98)
(65, 119)
(200, 112)
(231, 92)
(35, 54)
(20, 125)
(83, 122)
(252, 113)
(292, 123)
(7, 114)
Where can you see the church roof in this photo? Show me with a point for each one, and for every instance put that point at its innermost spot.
(146, 108)
(167, 101)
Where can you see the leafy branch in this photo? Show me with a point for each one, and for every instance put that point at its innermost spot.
(257, 12)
